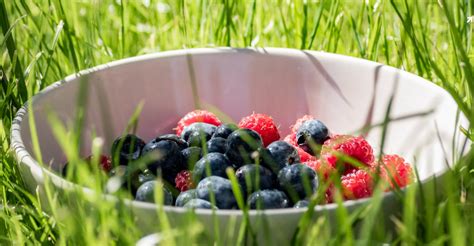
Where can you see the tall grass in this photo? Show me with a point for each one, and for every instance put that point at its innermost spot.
(43, 41)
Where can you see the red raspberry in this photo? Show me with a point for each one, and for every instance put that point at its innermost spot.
(398, 169)
(324, 169)
(355, 147)
(357, 184)
(263, 125)
(196, 116)
(184, 181)
(329, 194)
(299, 122)
(304, 156)
(313, 164)
(291, 139)
(105, 162)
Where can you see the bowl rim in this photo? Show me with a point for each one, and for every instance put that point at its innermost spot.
(38, 171)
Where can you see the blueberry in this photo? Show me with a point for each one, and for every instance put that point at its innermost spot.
(173, 137)
(224, 130)
(301, 204)
(311, 134)
(185, 196)
(253, 177)
(283, 154)
(264, 158)
(146, 193)
(217, 144)
(217, 163)
(241, 145)
(199, 203)
(164, 156)
(298, 180)
(126, 149)
(191, 155)
(198, 138)
(268, 199)
(131, 179)
(145, 176)
(206, 129)
(221, 189)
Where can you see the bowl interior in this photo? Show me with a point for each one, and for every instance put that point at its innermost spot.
(345, 93)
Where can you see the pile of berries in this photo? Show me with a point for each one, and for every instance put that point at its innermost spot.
(195, 163)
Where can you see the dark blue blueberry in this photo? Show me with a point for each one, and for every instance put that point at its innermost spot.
(173, 137)
(206, 129)
(217, 144)
(191, 155)
(132, 179)
(126, 149)
(242, 145)
(198, 138)
(146, 193)
(221, 189)
(145, 176)
(264, 158)
(283, 154)
(217, 164)
(164, 156)
(301, 204)
(224, 130)
(311, 134)
(185, 196)
(199, 203)
(268, 199)
(253, 177)
(298, 180)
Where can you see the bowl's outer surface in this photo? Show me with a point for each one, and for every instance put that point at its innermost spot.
(343, 92)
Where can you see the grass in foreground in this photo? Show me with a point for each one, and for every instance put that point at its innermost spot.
(43, 41)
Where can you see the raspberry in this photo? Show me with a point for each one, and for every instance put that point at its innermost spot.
(196, 116)
(357, 184)
(324, 169)
(355, 147)
(291, 139)
(184, 181)
(105, 162)
(299, 122)
(304, 156)
(329, 195)
(313, 164)
(399, 170)
(263, 125)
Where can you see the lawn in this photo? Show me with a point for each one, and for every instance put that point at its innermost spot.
(45, 40)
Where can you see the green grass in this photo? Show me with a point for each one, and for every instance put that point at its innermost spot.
(43, 41)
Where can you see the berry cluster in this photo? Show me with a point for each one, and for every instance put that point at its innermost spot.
(346, 160)
(194, 164)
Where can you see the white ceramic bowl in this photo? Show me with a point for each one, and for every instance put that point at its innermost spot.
(283, 83)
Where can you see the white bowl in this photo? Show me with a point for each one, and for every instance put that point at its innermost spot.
(283, 83)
